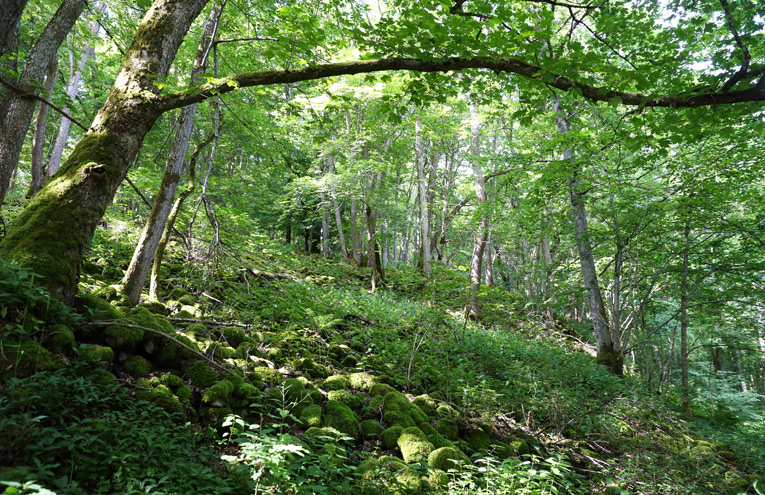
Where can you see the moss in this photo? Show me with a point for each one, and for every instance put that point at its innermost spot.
(184, 314)
(171, 350)
(220, 351)
(367, 469)
(409, 480)
(478, 440)
(187, 299)
(351, 400)
(96, 307)
(349, 362)
(173, 382)
(198, 330)
(396, 401)
(215, 415)
(61, 339)
(122, 337)
(519, 446)
(336, 382)
(380, 389)
(193, 311)
(24, 359)
(392, 463)
(269, 375)
(445, 458)
(435, 438)
(448, 428)
(219, 394)
(389, 437)
(202, 376)
(447, 411)
(323, 432)
(370, 429)
(245, 350)
(339, 416)
(311, 416)
(255, 379)
(426, 404)
(155, 307)
(361, 381)
(184, 394)
(137, 367)
(234, 336)
(414, 445)
(437, 479)
(97, 354)
(177, 293)
(398, 418)
(161, 396)
(307, 365)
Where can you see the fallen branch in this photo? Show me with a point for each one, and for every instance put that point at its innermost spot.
(211, 323)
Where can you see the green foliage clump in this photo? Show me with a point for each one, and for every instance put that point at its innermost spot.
(24, 358)
(339, 416)
(61, 339)
(414, 445)
(96, 354)
(160, 395)
(137, 367)
(201, 375)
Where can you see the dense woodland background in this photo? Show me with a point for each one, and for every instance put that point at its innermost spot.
(540, 221)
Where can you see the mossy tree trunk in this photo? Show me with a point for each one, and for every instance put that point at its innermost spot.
(51, 234)
(135, 276)
(16, 122)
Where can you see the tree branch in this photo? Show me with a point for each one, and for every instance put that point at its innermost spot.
(739, 75)
(33, 96)
(690, 99)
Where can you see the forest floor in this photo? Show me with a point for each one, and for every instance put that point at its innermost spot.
(266, 370)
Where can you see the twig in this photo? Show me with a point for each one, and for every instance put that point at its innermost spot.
(33, 96)
(211, 323)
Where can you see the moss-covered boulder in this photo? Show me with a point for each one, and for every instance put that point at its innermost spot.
(95, 354)
(448, 428)
(268, 375)
(25, 358)
(336, 382)
(311, 416)
(155, 307)
(435, 438)
(339, 416)
(437, 479)
(160, 395)
(123, 337)
(397, 418)
(201, 375)
(325, 432)
(137, 367)
(389, 437)
(370, 429)
(234, 336)
(380, 389)
(61, 339)
(478, 440)
(414, 445)
(96, 307)
(445, 458)
(361, 381)
(519, 445)
(426, 404)
(346, 397)
(255, 379)
(313, 369)
(447, 411)
(219, 394)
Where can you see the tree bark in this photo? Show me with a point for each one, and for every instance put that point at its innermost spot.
(52, 233)
(482, 231)
(422, 182)
(21, 108)
(684, 394)
(41, 126)
(140, 264)
(608, 352)
(10, 24)
(336, 207)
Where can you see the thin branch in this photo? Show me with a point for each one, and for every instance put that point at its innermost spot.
(148, 203)
(33, 96)
(739, 75)
(235, 40)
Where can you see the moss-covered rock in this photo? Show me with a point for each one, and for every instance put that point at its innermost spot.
(414, 445)
(370, 429)
(435, 438)
(445, 458)
(348, 398)
(198, 330)
(447, 411)
(336, 382)
(361, 381)
(160, 395)
(256, 379)
(22, 359)
(96, 307)
(380, 389)
(123, 337)
(201, 375)
(367, 469)
(478, 440)
(61, 339)
(409, 480)
(519, 445)
(186, 299)
(268, 375)
(234, 336)
(137, 367)
(314, 370)
(323, 432)
(426, 404)
(438, 479)
(220, 351)
(389, 437)
(155, 307)
(95, 354)
(339, 416)
(219, 394)
(448, 428)
(398, 418)
(311, 416)
(245, 350)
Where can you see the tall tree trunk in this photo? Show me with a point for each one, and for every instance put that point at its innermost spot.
(38, 141)
(10, 25)
(336, 207)
(423, 197)
(488, 262)
(75, 75)
(684, 394)
(51, 234)
(355, 238)
(608, 352)
(482, 232)
(140, 264)
(160, 253)
(20, 111)
(372, 245)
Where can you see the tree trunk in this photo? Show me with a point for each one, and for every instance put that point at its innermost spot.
(72, 87)
(372, 245)
(159, 254)
(10, 25)
(21, 109)
(51, 234)
(140, 264)
(482, 231)
(608, 353)
(38, 141)
(336, 208)
(684, 394)
(355, 239)
(423, 197)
